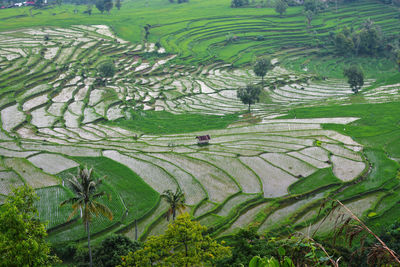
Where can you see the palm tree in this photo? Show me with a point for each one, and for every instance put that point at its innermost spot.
(175, 200)
(84, 187)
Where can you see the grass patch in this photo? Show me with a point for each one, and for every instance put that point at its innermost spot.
(383, 170)
(378, 130)
(137, 196)
(163, 122)
(49, 205)
(379, 124)
(318, 179)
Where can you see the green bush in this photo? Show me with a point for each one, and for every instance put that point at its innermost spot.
(106, 69)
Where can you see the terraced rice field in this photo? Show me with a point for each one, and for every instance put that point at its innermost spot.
(55, 116)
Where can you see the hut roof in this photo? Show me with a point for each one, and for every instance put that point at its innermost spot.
(203, 137)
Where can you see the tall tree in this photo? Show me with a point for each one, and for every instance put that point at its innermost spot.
(313, 5)
(108, 5)
(38, 3)
(176, 202)
(280, 7)
(249, 95)
(89, 9)
(184, 243)
(118, 4)
(84, 187)
(106, 69)
(261, 67)
(22, 235)
(309, 17)
(100, 6)
(355, 78)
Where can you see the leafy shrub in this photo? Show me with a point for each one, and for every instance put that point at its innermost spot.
(106, 69)
(108, 253)
(65, 252)
(112, 248)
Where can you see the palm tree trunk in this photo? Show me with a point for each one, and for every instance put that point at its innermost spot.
(88, 238)
(136, 229)
(249, 107)
(262, 82)
(173, 214)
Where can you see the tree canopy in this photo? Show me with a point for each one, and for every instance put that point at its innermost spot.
(249, 95)
(176, 202)
(239, 3)
(22, 235)
(355, 78)
(367, 40)
(261, 67)
(183, 244)
(106, 69)
(111, 249)
(280, 7)
(104, 5)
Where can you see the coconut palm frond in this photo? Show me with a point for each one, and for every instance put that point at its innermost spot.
(103, 210)
(75, 185)
(175, 200)
(84, 187)
(74, 211)
(71, 200)
(100, 194)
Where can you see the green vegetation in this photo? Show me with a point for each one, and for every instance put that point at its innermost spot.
(249, 95)
(176, 202)
(85, 200)
(261, 67)
(185, 243)
(137, 196)
(321, 178)
(108, 253)
(106, 69)
(22, 236)
(162, 122)
(76, 93)
(49, 200)
(355, 78)
(280, 7)
(378, 129)
(200, 36)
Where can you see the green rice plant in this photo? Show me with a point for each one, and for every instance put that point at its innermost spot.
(162, 122)
(49, 205)
(319, 179)
(137, 196)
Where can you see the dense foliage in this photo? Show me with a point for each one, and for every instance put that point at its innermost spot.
(249, 95)
(247, 243)
(106, 69)
(280, 7)
(355, 78)
(261, 67)
(183, 244)
(239, 3)
(22, 235)
(367, 40)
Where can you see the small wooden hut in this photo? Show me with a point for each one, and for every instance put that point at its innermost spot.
(203, 139)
